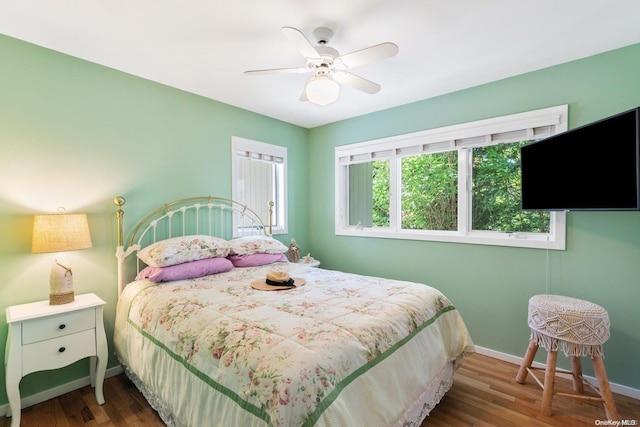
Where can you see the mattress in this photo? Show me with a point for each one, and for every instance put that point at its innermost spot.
(342, 350)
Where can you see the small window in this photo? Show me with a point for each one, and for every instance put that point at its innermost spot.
(495, 192)
(457, 184)
(369, 194)
(259, 177)
(429, 194)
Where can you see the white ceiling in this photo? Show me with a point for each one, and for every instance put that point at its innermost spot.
(203, 47)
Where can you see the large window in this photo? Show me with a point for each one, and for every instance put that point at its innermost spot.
(459, 184)
(259, 176)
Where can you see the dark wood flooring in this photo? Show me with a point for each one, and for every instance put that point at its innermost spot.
(484, 393)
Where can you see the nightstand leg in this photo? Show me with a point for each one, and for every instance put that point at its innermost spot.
(93, 360)
(99, 366)
(13, 394)
(13, 371)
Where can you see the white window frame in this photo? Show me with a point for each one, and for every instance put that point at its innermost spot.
(242, 147)
(511, 128)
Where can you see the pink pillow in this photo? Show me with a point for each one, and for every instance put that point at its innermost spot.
(254, 260)
(187, 270)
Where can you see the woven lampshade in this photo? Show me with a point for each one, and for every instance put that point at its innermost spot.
(60, 233)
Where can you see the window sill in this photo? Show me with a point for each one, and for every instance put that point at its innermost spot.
(519, 240)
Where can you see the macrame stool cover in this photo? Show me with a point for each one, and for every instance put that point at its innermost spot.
(577, 327)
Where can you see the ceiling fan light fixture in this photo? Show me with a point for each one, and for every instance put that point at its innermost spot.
(322, 90)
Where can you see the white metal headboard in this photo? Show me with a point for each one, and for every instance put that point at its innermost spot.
(214, 216)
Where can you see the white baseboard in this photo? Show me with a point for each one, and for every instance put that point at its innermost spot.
(58, 391)
(516, 360)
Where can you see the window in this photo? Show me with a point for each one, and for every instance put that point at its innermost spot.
(259, 176)
(458, 184)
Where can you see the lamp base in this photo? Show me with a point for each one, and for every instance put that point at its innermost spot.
(61, 282)
(62, 298)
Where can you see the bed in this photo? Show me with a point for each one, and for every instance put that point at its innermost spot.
(215, 345)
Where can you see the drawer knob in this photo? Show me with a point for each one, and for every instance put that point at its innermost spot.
(61, 350)
(62, 326)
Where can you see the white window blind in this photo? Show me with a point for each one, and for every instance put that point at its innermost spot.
(512, 128)
(259, 177)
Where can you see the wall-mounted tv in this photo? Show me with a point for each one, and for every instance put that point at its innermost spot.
(594, 167)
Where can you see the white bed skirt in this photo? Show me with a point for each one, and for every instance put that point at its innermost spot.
(413, 417)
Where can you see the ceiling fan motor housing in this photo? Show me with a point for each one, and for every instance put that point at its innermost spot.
(322, 70)
(323, 35)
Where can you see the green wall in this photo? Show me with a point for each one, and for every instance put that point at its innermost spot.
(76, 134)
(491, 285)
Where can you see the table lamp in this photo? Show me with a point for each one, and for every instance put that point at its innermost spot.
(60, 233)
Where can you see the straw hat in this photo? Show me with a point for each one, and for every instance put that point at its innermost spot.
(270, 283)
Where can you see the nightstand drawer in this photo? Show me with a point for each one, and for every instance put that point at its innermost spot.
(56, 326)
(58, 352)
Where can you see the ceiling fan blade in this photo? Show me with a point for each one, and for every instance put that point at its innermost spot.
(369, 54)
(356, 82)
(304, 45)
(278, 71)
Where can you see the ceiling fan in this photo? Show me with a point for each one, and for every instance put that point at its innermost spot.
(329, 67)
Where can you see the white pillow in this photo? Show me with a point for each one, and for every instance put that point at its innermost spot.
(178, 250)
(250, 245)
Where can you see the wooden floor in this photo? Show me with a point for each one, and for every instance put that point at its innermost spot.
(484, 393)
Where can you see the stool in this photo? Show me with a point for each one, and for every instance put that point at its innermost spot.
(578, 328)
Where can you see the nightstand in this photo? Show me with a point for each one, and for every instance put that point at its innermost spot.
(43, 337)
(312, 263)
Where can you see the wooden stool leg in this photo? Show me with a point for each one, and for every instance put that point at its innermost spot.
(576, 369)
(521, 377)
(549, 378)
(605, 388)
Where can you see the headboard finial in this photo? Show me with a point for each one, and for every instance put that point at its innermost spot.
(119, 201)
(270, 204)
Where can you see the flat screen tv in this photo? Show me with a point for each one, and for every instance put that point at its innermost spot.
(595, 167)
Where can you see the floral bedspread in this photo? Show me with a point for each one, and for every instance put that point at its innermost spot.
(283, 356)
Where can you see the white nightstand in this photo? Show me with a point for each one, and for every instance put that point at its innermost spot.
(313, 263)
(43, 336)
